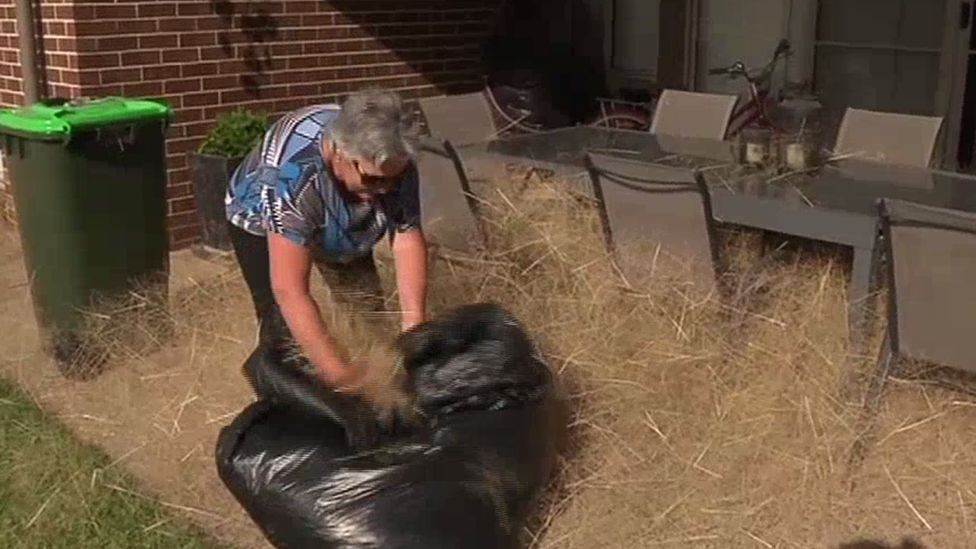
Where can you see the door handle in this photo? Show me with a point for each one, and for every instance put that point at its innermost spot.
(965, 15)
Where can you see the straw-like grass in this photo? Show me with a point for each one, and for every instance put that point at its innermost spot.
(695, 422)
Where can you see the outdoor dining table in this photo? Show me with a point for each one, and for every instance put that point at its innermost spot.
(837, 203)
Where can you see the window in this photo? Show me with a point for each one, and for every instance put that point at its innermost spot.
(879, 54)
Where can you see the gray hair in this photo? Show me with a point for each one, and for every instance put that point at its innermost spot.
(372, 126)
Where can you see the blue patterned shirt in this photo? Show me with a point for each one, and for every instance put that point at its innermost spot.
(284, 186)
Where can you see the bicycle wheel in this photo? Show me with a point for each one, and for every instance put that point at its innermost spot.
(622, 121)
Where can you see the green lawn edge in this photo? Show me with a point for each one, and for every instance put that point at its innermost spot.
(56, 493)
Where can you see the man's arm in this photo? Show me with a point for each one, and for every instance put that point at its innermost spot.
(410, 263)
(290, 268)
(410, 251)
(293, 211)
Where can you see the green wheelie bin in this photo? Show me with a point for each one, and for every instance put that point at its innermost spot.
(89, 182)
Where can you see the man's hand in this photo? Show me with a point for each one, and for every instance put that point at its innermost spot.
(352, 377)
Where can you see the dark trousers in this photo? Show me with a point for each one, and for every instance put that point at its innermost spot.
(356, 283)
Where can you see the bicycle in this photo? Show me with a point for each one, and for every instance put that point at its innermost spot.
(756, 111)
(620, 114)
(612, 113)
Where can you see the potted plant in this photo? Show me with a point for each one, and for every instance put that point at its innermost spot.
(233, 135)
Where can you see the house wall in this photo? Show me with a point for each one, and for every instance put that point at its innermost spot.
(205, 56)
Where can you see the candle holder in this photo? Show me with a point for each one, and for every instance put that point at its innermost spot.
(799, 144)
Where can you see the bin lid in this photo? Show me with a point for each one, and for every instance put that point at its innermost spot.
(57, 119)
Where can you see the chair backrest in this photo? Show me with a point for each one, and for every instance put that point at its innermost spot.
(656, 217)
(931, 271)
(888, 137)
(449, 216)
(693, 114)
(461, 119)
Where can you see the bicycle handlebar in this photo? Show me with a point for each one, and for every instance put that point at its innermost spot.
(739, 68)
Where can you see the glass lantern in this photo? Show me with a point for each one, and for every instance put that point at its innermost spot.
(799, 145)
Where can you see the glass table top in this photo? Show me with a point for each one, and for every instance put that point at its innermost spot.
(849, 185)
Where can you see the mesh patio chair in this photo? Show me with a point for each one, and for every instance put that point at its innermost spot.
(656, 217)
(462, 119)
(929, 255)
(888, 137)
(693, 114)
(449, 213)
(931, 266)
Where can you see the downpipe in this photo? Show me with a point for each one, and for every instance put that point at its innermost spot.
(28, 49)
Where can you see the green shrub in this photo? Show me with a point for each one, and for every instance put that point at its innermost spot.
(234, 133)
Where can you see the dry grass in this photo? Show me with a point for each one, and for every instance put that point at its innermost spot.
(691, 427)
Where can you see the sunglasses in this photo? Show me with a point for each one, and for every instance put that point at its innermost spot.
(375, 183)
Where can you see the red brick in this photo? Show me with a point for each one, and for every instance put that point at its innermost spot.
(99, 60)
(185, 116)
(232, 66)
(286, 49)
(162, 41)
(182, 86)
(318, 20)
(51, 43)
(198, 39)
(139, 26)
(318, 48)
(143, 89)
(172, 24)
(351, 45)
(200, 99)
(156, 9)
(115, 11)
(182, 205)
(208, 24)
(161, 72)
(179, 191)
(194, 8)
(301, 6)
(104, 89)
(201, 69)
(336, 60)
(142, 57)
(198, 129)
(63, 12)
(220, 82)
(117, 43)
(234, 96)
(303, 62)
(212, 53)
(84, 78)
(96, 27)
(56, 28)
(122, 76)
(288, 21)
(304, 90)
(300, 34)
(182, 219)
(183, 225)
(185, 55)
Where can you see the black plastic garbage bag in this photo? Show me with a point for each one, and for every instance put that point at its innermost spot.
(466, 476)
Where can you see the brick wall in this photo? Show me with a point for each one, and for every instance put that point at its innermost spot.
(205, 56)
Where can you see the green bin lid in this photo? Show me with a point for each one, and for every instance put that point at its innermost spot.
(57, 119)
